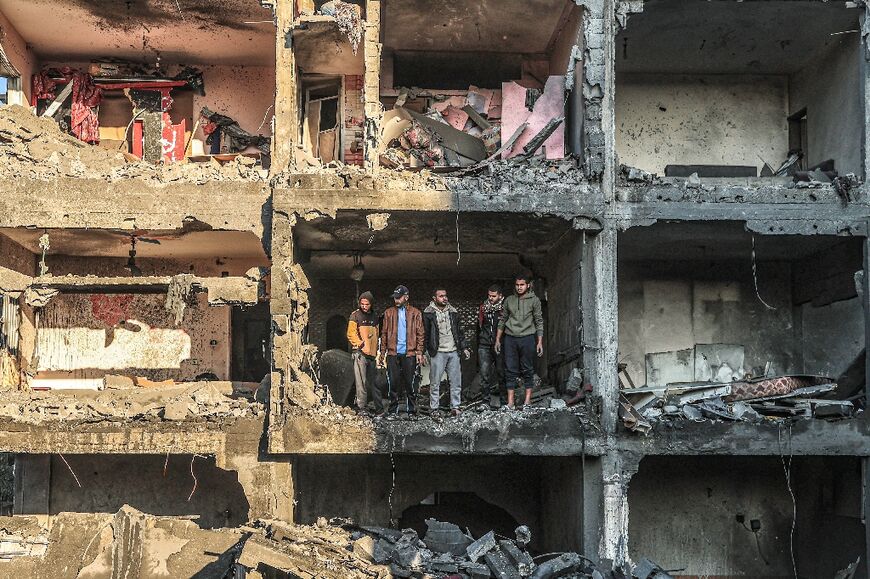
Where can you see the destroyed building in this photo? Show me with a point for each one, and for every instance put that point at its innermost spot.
(196, 192)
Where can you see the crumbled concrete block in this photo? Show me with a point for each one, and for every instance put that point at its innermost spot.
(476, 570)
(520, 559)
(446, 538)
(559, 566)
(480, 547)
(175, 410)
(558, 403)
(500, 565)
(364, 547)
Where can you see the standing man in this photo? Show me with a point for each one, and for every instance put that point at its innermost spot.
(522, 322)
(444, 339)
(402, 344)
(491, 362)
(362, 334)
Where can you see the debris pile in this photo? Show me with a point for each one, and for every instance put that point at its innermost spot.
(427, 129)
(35, 148)
(209, 401)
(448, 551)
(750, 400)
(349, 19)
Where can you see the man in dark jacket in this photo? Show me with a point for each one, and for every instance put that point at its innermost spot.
(522, 323)
(444, 340)
(491, 362)
(402, 344)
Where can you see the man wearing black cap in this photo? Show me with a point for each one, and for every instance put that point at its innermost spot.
(402, 344)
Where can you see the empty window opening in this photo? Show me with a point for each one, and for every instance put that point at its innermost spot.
(322, 136)
(708, 88)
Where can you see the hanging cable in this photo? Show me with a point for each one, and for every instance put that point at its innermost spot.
(786, 468)
(458, 249)
(755, 277)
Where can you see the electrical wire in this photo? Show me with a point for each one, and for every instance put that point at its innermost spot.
(755, 277)
(458, 249)
(786, 468)
(392, 487)
(70, 469)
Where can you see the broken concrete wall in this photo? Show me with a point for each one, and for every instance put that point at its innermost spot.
(665, 306)
(710, 120)
(562, 505)
(108, 482)
(697, 501)
(512, 486)
(82, 337)
(832, 336)
(568, 36)
(829, 89)
(564, 331)
(16, 257)
(19, 54)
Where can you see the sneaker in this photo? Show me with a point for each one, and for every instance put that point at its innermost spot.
(527, 407)
(507, 408)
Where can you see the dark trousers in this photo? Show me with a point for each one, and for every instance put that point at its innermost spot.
(365, 371)
(519, 360)
(401, 382)
(491, 372)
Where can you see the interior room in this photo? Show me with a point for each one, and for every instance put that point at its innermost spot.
(155, 306)
(355, 252)
(711, 301)
(478, 493)
(753, 89)
(748, 516)
(148, 79)
(472, 74)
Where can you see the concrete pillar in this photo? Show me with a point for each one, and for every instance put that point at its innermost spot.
(865, 89)
(372, 48)
(616, 471)
(284, 130)
(599, 303)
(865, 302)
(32, 485)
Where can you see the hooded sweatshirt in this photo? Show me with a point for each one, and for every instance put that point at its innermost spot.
(522, 316)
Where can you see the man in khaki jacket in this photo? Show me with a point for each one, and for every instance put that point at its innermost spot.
(522, 325)
(402, 344)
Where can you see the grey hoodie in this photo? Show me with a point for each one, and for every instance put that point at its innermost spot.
(522, 316)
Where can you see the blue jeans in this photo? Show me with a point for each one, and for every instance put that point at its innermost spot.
(519, 360)
(437, 364)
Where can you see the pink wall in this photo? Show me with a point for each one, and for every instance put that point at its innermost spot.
(244, 93)
(21, 57)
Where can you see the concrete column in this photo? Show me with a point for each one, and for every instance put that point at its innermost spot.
(617, 468)
(865, 302)
(599, 302)
(865, 88)
(284, 130)
(372, 82)
(32, 485)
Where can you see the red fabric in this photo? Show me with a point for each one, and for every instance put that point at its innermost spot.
(85, 97)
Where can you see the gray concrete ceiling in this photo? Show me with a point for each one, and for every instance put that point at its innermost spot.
(422, 245)
(719, 36)
(232, 32)
(159, 244)
(718, 240)
(524, 26)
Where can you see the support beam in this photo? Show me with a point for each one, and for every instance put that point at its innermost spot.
(865, 302)
(372, 48)
(599, 302)
(284, 130)
(617, 468)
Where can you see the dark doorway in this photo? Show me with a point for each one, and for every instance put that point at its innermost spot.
(465, 509)
(336, 333)
(251, 326)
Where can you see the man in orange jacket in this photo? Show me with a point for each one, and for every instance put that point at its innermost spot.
(362, 334)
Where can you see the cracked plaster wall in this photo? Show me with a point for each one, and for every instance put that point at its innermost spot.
(705, 120)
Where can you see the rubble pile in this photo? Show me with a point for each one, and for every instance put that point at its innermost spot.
(752, 400)
(35, 148)
(447, 551)
(202, 400)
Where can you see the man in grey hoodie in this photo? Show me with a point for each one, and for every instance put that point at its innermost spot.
(444, 340)
(522, 324)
